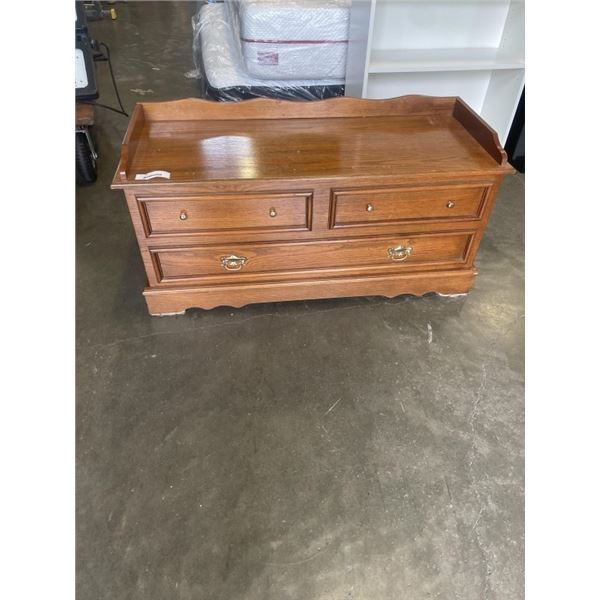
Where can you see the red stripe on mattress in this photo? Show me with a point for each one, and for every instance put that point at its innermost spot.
(294, 41)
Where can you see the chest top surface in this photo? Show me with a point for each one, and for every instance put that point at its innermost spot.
(200, 140)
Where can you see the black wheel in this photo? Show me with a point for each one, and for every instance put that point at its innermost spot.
(85, 165)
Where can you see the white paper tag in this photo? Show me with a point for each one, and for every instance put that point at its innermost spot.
(152, 175)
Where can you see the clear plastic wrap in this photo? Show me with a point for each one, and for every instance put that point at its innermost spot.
(293, 39)
(292, 49)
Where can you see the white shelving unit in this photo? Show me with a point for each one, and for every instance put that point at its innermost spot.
(474, 49)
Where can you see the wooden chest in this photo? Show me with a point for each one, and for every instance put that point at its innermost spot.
(270, 200)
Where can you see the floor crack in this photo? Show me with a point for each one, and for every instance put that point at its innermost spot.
(472, 421)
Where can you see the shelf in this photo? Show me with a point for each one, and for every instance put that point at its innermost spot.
(442, 59)
(493, 94)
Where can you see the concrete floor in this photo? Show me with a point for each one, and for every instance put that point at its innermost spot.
(359, 449)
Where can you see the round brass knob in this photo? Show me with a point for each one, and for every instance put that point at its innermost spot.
(370, 207)
(450, 204)
(183, 215)
(272, 212)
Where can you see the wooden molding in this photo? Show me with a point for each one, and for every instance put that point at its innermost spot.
(481, 131)
(169, 301)
(267, 108)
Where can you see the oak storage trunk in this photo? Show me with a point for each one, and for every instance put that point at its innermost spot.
(269, 200)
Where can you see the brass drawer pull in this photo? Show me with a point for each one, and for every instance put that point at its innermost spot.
(183, 215)
(400, 253)
(233, 262)
(370, 207)
(272, 212)
(450, 204)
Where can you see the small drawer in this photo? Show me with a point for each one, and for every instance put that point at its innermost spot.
(254, 259)
(354, 208)
(187, 215)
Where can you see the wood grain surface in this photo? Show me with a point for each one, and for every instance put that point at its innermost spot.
(167, 301)
(188, 214)
(345, 255)
(277, 200)
(361, 207)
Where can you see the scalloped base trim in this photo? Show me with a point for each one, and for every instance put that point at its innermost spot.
(162, 302)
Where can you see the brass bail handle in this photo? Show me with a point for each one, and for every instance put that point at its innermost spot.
(400, 253)
(231, 262)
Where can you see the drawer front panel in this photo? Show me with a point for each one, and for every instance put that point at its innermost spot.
(236, 260)
(210, 214)
(352, 208)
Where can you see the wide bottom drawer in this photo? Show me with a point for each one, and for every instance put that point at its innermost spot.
(259, 260)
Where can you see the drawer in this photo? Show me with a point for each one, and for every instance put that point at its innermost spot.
(225, 213)
(352, 208)
(254, 259)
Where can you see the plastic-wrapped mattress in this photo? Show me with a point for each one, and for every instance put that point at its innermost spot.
(218, 58)
(292, 39)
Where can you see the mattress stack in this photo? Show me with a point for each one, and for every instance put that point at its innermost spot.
(275, 48)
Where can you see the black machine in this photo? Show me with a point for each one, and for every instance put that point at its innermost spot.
(86, 87)
(87, 52)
